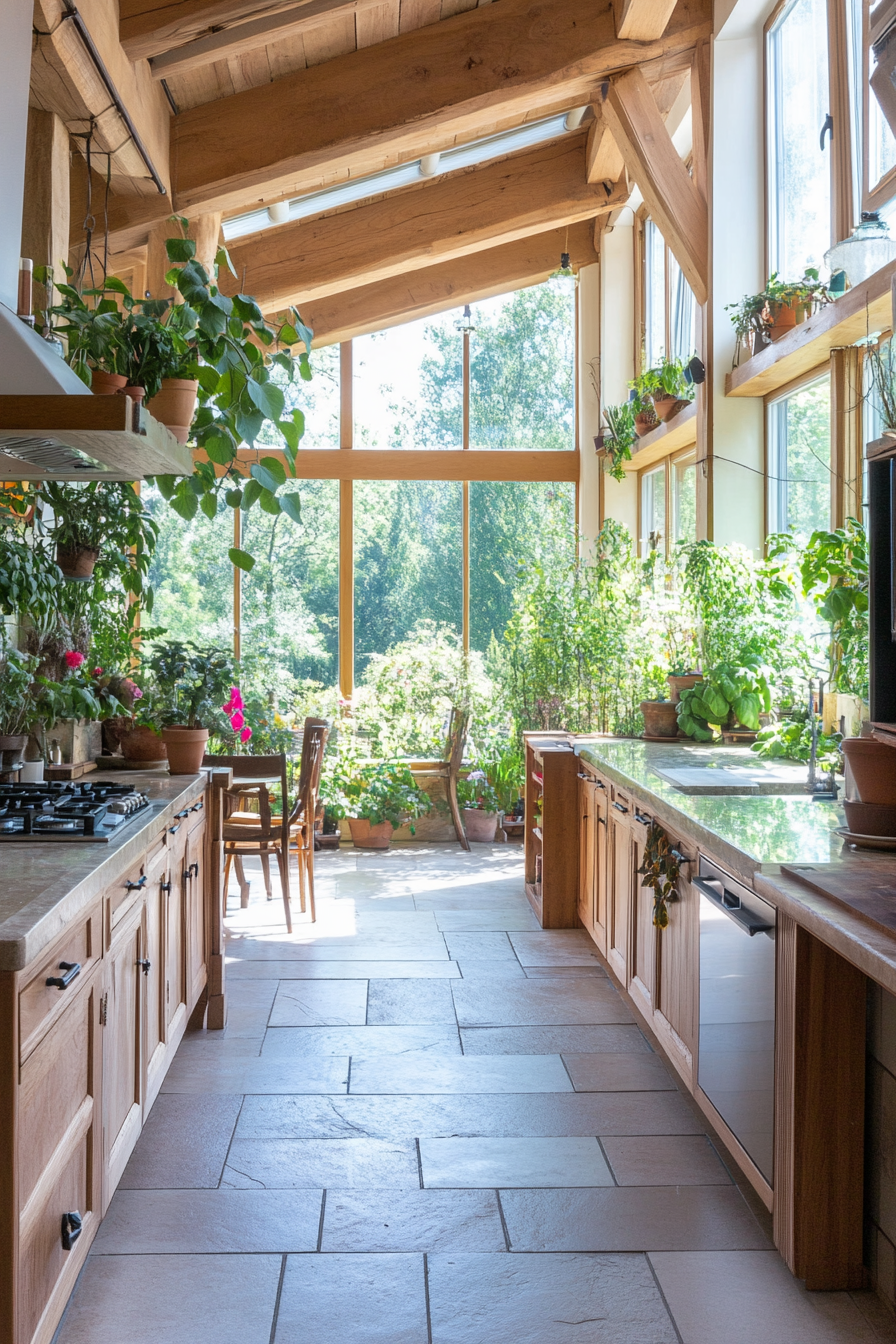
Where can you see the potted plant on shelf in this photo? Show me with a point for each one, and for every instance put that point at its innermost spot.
(380, 796)
(775, 311)
(480, 806)
(99, 518)
(666, 387)
(191, 690)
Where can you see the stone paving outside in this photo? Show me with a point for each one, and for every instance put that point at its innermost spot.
(430, 1122)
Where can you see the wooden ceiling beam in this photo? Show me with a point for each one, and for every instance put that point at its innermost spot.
(673, 199)
(406, 230)
(225, 43)
(435, 289)
(642, 20)
(147, 27)
(603, 161)
(393, 98)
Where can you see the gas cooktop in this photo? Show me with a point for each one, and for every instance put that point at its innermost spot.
(67, 811)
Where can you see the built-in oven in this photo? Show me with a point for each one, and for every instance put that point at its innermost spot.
(736, 1062)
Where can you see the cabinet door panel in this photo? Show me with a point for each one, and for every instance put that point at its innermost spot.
(122, 1053)
(601, 848)
(587, 871)
(194, 921)
(620, 890)
(175, 961)
(154, 1033)
(644, 935)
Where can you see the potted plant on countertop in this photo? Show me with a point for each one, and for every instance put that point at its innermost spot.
(480, 806)
(729, 694)
(16, 706)
(190, 691)
(681, 678)
(660, 719)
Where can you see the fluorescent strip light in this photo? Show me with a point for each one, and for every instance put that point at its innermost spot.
(361, 188)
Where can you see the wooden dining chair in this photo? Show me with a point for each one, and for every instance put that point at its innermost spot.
(262, 832)
(301, 821)
(449, 768)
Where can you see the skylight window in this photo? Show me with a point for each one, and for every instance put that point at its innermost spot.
(359, 189)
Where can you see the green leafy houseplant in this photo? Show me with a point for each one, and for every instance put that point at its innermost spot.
(30, 579)
(729, 693)
(665, 381)
(242, 362)
(189, 686)
(620, 438)
(791, 739)
(756, 314)
(104, 519)
(384, 791)
(476, 792)
(17, 705)
(834, 573)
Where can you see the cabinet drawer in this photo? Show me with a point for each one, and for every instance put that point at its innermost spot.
(41, 1004)
(122, 894)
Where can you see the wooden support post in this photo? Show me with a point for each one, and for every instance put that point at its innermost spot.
(846, 435)
(237, 588)
(675, 203)
(465, 505)
(642, 20)
(346, 533)
(46, 217)
(820, 1110)
(215, 901)
(603, 161)
(205, 231)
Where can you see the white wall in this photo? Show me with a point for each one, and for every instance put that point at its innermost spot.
(738, 268)
(588, 400)
(617, 364)
(15, 77)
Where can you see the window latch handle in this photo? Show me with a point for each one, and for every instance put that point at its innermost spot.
(827, 129)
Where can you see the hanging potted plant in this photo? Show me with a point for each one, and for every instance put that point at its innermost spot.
(98, 517)
(191, 690)
(479, 804)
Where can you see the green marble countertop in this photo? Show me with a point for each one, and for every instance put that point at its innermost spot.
(45, 884)
(749, 834)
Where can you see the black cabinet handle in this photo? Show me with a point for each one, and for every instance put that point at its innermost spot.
(71, 1229)
(194, 869)
(185, 813)
(645, 821)
(173, 830)
(602, 821)
(600, 784)
(197, 807)
(136, 886)
(72, 970)
(619, 808)
(145, 963)
(164, 886)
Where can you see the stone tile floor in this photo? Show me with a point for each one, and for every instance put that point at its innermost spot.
(430, 1122)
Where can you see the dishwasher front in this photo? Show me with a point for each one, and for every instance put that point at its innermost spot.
(736, 1062)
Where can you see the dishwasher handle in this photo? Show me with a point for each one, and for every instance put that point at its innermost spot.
(730, 903)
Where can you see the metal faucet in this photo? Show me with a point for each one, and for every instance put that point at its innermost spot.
(817, 787)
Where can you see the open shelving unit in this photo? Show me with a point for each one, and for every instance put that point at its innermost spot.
(679, 432)
(73, 438)
(861, 312)
(551, 831)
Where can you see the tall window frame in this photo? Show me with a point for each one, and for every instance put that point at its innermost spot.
(661, 307)
(659, 498)
(778, 463)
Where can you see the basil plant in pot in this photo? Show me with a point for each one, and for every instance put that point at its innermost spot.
(190, 690)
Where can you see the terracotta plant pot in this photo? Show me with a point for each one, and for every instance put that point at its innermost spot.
(682, 683)
(76, 562)
(186, 748)
(135, 393)
(869, 818)
(660, 718)
(104, 384)
(142, 744)
(480, 827)
(365, 836)
(873, 766)
(173, 406)
(12, 751)
(645, 423)
(783, 320)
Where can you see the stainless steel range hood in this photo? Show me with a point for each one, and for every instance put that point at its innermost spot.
(53, 428)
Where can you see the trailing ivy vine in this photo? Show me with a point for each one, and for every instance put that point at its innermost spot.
(660, 870)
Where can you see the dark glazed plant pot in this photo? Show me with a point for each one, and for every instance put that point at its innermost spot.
(76, 562)
(186, 748)
(660, 718)
(365, 836)
(873, 766)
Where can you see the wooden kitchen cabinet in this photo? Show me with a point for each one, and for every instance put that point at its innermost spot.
(592, 856)
(620, 884)
(644, 971)
(551, 839)
(80, 1066)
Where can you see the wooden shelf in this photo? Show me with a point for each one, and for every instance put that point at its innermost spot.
(679, 432)
(73, 438)
(861, 311)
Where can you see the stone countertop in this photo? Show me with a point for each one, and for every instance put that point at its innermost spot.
(748, 833)
(753, 836)
(45, 884)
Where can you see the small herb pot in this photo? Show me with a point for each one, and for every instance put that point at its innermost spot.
(645, 423)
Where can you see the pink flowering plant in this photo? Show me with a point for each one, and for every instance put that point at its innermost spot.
(234, 711)
(476, 792)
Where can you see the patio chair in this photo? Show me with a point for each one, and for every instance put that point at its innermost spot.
(260, 832)
(302, 817)
(449, 769)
